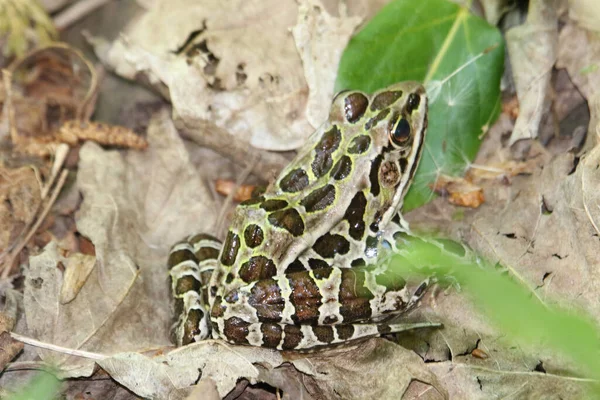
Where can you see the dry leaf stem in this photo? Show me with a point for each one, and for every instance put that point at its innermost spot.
(60, 349)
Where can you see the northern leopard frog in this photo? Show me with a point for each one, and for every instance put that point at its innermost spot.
(303, 265)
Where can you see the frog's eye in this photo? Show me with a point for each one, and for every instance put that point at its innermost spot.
(401, 132)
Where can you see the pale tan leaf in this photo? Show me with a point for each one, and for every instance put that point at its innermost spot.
(173, 375)
(77, 269)
(321, 38)
(586, 13)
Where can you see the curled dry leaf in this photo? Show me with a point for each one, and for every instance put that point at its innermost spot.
(532, 48)
(479, 354)
(236, 65)
(579, 53)
(459, 191)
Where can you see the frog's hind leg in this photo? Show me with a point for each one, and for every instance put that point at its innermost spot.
(306, 337)
(191, 263)
(267, 312)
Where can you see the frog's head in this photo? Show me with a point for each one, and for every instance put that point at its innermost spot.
(384, 137)
(402, 137)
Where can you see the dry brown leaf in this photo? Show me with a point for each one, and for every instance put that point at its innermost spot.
(375, 369)
(242, 192)
(502, 171)
(532, 48)
(20, 197)
(131, 212)
(49, 86)
(522, 232)
(501, 379)
(459, 191)
(9, 347)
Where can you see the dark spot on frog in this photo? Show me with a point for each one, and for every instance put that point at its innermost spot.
(236, 330)
(342, 168)
(271, 334)
(288, 219)
(413, 102)
(354, 215)
(376, 119)
(253, 235)
(257, 268)
(230, 249)
(319, 199)
(360, 144)
(355, 105)
(385, 99)
(294, 181)
(345, 331)
(328, 245)
(323, 333)
(329, 142)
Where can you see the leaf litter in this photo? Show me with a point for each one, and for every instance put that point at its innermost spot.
(135, 205)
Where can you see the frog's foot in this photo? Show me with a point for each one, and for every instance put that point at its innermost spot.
(191, 263)
(306, 337)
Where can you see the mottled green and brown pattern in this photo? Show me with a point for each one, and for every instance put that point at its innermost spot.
(299, 266)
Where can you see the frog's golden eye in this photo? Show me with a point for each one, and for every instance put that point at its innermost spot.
(401, 132)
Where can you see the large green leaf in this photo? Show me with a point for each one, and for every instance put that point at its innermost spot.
(460, 59)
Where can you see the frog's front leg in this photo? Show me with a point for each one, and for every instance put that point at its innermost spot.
(337, 304)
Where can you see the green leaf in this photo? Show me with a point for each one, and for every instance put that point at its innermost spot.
(458, 57)
(44, 386)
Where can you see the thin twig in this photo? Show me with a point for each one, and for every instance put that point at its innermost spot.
(60, 349)
(76, 12)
